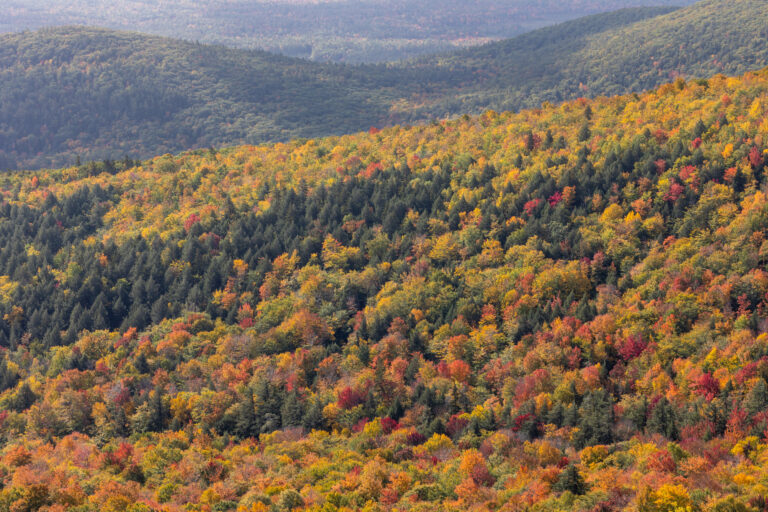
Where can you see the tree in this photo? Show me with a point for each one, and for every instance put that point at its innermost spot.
(313, 418)
(292, 410)
(158, 411)
(290, 499)
(584, 132)
(570, 480)
(23, 398)
(99, 315)
(663, 419)
(757, 400)
(247, 423)
(595, 419)
(8, 378)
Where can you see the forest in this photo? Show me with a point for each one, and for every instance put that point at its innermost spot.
(102, 94)
(351, 31)
(563, 308)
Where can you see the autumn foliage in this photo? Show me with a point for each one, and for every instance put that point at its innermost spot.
(492, 313)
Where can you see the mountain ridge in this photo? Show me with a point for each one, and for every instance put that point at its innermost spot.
(168, 95)
(564, 308)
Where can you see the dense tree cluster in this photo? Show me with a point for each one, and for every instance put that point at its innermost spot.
(562, 308)
(345, 31)
(101, 94)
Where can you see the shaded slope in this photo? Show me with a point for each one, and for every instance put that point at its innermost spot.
(101, 94)
(603, 55)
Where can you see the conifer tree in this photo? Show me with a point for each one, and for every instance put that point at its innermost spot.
(247, 423)
(292, 410)
(663, 419)
(757, 400)
(570, 480)
(595, 419)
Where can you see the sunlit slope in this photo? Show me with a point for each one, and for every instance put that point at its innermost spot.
(96, 94)
(564, 308)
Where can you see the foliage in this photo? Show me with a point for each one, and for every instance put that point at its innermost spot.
(487, 313)
(100, 94)
(344, 31)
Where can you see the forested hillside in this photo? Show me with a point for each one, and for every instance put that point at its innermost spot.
(560, 309)
(602, 55)
(99, 94)
(95, 94)
(337, 30)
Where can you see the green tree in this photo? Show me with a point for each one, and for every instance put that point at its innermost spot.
(595, 419)
(757, 400)
(663, 419)
(570, 480)
(247, 423)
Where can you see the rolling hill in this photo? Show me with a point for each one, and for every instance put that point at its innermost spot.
(560, 309)
(339, 30)
(102, 94)
(597, 56)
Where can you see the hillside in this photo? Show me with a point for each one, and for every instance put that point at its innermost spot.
(558, 309)
(601, 55)
(338, 30)
(100, 94)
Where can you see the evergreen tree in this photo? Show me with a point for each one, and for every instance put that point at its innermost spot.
(396, 410)
(595, 419)
(99, 314)
(570, 480)
(23, 398)
(8, 378)
(584, 132)
(556, 414)
(548, 140)
(663, 419)
(757, 400)
(292, 410)
(247, 423)
(313, 418)
(637, 413)
(159, 310)
(158, 411)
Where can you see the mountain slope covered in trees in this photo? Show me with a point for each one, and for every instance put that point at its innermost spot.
(99, 93)
(338, 30)
(559, 309)
(593, 56)
(102, 94)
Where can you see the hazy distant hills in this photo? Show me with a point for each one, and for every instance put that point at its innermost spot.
(102, 94)
(604, 55)
(99, 93)
(338, 30)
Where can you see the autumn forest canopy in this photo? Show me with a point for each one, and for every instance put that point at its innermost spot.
(560, 304)
(560, 309)
(101, 94)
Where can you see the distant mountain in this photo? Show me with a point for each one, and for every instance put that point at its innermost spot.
(338, 30)
(604, 55)
(101, 94)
